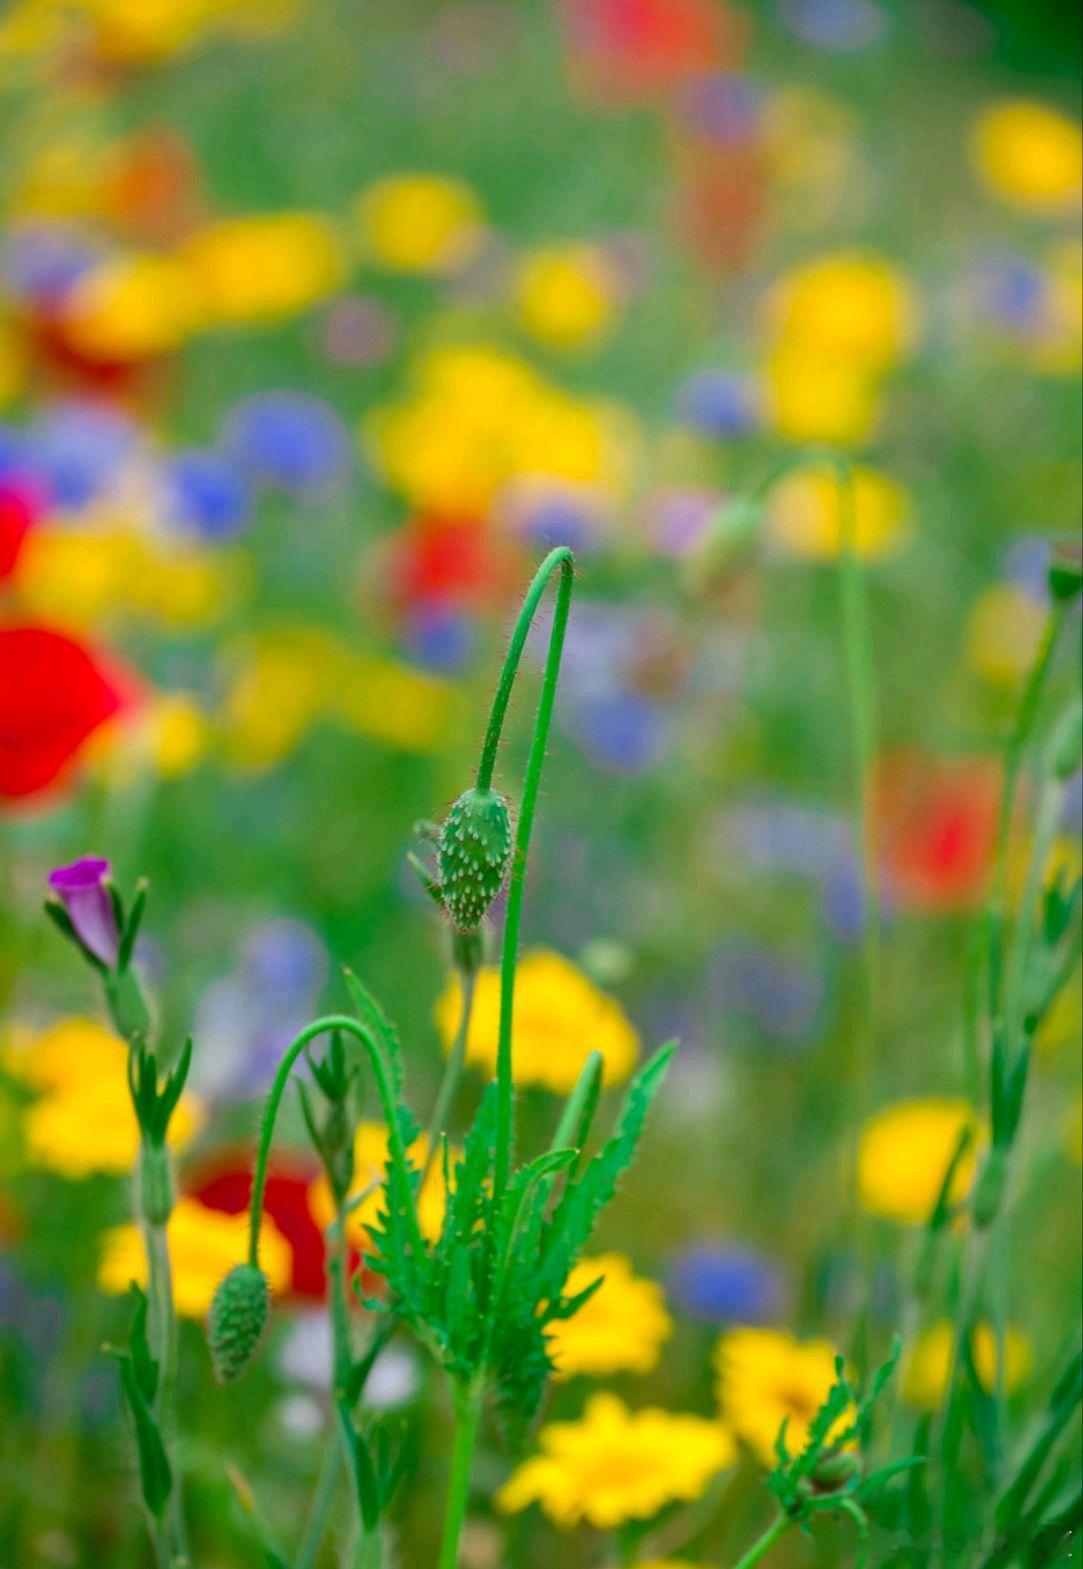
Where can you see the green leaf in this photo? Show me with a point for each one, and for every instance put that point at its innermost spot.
(144, 1366)
(155, 1474)
(362, 1471)
(1065, 1398)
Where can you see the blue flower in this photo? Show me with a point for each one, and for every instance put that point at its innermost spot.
(77, 449)
(723, 1283)
(718, 403)
(207, 493)
(291, 440)
(439, 638)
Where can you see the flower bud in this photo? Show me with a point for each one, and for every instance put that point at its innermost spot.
(83, 890)
(475, 850)
(834, 1472)
(237, 1319)
(1066, 570)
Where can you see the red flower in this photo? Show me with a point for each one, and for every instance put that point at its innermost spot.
(54, 694)
(937, 825)
(448, 563)
(18, 512)
(625, 50)
(226, 1184)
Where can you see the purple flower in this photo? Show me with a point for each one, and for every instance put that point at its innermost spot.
(81, 888)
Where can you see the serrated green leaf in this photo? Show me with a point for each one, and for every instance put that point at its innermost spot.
(370, 1013)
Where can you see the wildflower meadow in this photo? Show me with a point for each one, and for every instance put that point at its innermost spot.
(541, 784)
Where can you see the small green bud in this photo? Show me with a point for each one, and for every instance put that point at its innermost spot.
(834, 1472)
(237, 1319)
(475, 851)
(1066, 570)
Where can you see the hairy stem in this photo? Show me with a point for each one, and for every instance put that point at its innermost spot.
(467, 1399)
(332, 1021)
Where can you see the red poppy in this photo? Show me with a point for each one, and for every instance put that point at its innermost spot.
(630, 49)
(450, 564)
(18, 512)
(54, 694)
(225, 1184)
(937, 827)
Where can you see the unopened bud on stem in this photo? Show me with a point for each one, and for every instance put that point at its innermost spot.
(475, 852)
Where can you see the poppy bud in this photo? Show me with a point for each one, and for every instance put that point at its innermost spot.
(835, 1471)
(236, 1320)
(475, 849)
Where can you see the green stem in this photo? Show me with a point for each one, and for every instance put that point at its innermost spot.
(453, 1069)
(759, 1549)
(332, 1021)
(857, 645)
(1013, 756)
(467, 1399)
(170, 1536)
(562, 559)
(323, 1501)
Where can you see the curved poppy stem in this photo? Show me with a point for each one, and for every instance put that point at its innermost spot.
(334, 1021)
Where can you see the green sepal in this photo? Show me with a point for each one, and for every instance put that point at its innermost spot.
(62, 921)
(129, 929)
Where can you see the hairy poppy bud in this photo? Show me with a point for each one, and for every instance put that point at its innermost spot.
(475, 849)
(236, 1320)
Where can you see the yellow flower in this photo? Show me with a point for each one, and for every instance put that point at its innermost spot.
(478, 418)
(1029, 155)
(767, 1377)
(265, 266)
(282, 682)
(68, 1055)
(78, 577)
(566, 295)
(204, 1244)
(806, 515)
(179, 734)
(559, 1018)
(1003, 632)
(615, 1465)
(1063, 1024)
(370, 1166)
(812, 396)
(132, 308)
(420, 223)
(850, 307)
(619, 1329)
(926, 1369)
(12, 363)
(83, 1122)
(904, 1156)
